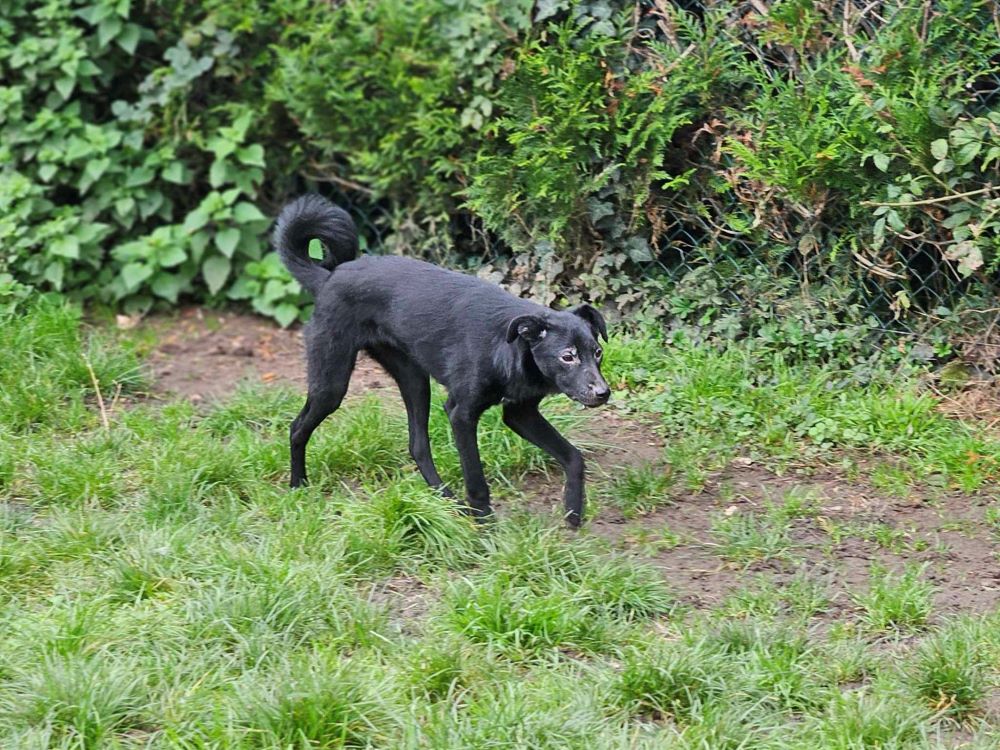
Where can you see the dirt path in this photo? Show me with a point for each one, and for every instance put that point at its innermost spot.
(202, 355)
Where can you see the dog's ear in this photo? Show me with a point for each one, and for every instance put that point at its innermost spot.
(531, 328)
(593, 318)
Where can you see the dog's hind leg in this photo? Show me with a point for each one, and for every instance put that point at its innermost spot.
(528, 422)
(415, 387)
(330, 368)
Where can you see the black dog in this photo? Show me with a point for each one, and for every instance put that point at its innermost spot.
(417, 320)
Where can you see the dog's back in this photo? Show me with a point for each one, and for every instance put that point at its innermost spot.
(444, 320)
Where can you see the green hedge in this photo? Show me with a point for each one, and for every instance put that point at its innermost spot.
(145, 144)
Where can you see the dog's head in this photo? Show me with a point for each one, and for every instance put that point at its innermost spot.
(566, 350)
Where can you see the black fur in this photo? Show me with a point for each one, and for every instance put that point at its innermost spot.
(419, 321)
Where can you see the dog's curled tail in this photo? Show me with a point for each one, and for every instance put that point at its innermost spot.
(314, 217)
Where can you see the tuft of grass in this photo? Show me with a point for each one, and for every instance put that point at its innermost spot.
(520, 620)
(322, 703)
(442, 668)
(950, 672)
(86, 698)
(674, 681)
(782, 673)
(865, 720)
(638, 490)
(896, 602)
(536, 590)
(160, 585)
(417, 520)
(361, 440)
(747, 537)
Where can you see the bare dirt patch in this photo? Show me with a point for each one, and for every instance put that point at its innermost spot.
(204, 355)
(852, 527)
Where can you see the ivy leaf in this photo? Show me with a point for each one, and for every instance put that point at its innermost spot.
(245, 213)
(195, 220)
(167, 285)
(151, 203)
(108, 29)
(274, 290)
(939, 148)
(215, 270)
(945, 165)
(881, 161)
(598, 209)
(548, 8)
(892, 218)
(124, 206)
(65, 86)
(67, 246)
(96, 168)
(217, 174)
(175, 172)
(133, 274)
(226, 240)
(638, 249)
(959, 217)
(128, 40)
(140, 176)
(54, 274)
(968, 255)
(286, 313)
(252, 155)
(221, 147)
(172, 255)
(968, 152)
(878, 233)
(243, 288)
(198, 243)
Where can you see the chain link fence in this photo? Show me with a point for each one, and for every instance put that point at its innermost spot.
(897, 289)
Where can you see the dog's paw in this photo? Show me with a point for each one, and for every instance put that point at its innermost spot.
(478, 513)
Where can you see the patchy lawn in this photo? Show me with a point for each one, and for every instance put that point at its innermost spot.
(777, 557)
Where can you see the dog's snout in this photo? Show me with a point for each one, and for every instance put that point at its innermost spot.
(601, 391)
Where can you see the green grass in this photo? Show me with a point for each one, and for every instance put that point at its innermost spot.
(638, 490)
(718, 403)
(747, 537)
(896, 602)
(160, 587)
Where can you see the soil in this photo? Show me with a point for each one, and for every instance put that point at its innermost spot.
(204, 355)
(947, 533)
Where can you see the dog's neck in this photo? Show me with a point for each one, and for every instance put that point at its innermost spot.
(521, 380)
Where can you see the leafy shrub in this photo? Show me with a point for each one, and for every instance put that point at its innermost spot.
(122, 180)
(754, 155)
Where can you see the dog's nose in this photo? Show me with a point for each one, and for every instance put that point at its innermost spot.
(602, 391)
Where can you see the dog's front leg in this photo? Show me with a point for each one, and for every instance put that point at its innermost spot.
(528, 422)
(464, 424)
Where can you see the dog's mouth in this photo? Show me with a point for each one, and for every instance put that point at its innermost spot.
(592, 402)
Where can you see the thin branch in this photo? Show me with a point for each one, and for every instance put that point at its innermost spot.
(342, 181)
(928, 201)
(97, 390)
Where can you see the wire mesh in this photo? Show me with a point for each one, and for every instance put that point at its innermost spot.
(716, 241)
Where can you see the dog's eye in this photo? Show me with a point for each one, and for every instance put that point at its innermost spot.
(598, 354)
(568, 357)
